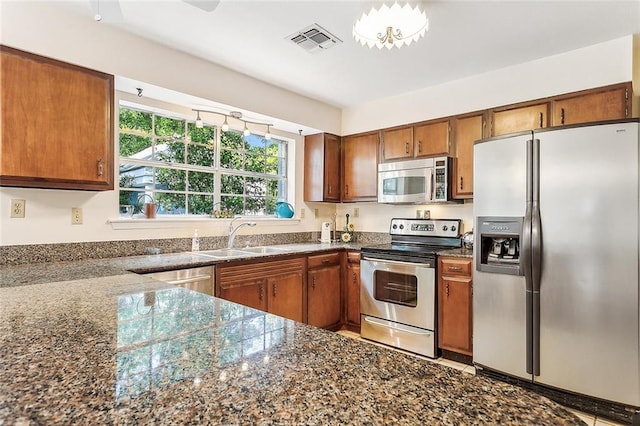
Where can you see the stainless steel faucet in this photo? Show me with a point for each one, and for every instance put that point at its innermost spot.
(232, 230)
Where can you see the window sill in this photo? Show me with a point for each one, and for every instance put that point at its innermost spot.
(182, 222)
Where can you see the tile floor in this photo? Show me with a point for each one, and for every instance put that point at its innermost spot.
(589, 419)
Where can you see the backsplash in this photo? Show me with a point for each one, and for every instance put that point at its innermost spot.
(36, 253)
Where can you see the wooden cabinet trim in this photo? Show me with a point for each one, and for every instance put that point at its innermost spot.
(323, 260)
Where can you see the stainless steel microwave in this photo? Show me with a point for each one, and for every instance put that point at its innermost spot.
(420, 181)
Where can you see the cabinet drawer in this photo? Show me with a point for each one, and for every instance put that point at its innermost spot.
(321, 260)
(455, 266)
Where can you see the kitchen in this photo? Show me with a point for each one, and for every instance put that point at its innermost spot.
(47, 220)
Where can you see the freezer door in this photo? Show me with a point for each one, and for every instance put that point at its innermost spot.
(589, 284)
(499, 300)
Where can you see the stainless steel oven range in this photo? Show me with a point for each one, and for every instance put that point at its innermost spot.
(398, 293)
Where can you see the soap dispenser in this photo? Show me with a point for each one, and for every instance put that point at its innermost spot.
(195, 241)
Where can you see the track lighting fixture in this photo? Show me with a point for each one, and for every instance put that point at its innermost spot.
(233, 114)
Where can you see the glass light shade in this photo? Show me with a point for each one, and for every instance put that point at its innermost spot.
(246, 131)
(391, 26)
(199, 123)
(225, 125)
(267, 135)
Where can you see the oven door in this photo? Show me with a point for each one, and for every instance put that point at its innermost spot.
(401, 292)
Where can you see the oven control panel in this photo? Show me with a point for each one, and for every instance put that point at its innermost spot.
(426, 227)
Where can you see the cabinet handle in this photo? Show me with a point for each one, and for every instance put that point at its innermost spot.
(420, 147)
(346, 190)
(460, 183)
(355, 277)
(447, 290)
(329, 189)
(561, 115)
(541, 118)
(275, 289)
(406, 147)
(455, 268)
(100, 167)
(313, 282)
(261, 292)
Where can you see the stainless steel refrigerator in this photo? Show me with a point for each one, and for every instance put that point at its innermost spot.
(555, 284)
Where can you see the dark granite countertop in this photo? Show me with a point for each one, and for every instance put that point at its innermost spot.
(458, 252)
(126, 349)
(37, 273)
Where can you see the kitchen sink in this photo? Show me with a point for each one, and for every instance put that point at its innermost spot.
(224, 252)
(264, 250)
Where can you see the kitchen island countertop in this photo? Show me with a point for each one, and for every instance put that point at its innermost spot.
(128, 349)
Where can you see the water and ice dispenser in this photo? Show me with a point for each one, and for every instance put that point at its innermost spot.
(499, 245)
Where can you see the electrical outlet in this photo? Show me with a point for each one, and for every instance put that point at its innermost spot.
(356, 212)
(17, 208)
(301, 213)
(76, 216)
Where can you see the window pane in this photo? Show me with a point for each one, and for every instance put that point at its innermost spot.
(170, 203)
(232, 184)
(255, 205)
(135, 146)
(255, 162)
(231, 140)
(272, 188)
(135, 176)
(166, 126)
(171, 179)
(254, 142)
(200, 155)
(201, 181)
(170, 152)
(272, 165)
(230, 160)
(206, 135)
(135, 120)
(200, 204)
(255, 187)
(235, 204)
(130, 198)
(270, 208)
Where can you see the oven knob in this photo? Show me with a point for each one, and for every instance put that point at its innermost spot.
(401, 226)
(445, 227)
(395, 226)
(453, 228)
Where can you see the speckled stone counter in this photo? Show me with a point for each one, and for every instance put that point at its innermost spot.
(459, 252)
(126, 349)
(37, 273)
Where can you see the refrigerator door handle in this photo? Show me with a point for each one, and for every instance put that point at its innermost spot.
(536, 257)
(525, 258)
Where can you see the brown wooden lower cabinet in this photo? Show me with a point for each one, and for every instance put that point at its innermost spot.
(324, 302)
(455, 308)
(352, 292)
(275, 286)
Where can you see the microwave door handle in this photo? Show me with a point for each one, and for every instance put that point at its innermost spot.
(431, 189)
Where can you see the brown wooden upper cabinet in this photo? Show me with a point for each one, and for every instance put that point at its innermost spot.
(360, 167)
(467, 130)
(322, 167)
(519, 118)
(423, 140)
(57, 124)
(607, 103)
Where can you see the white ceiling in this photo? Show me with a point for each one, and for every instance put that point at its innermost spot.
(464, 38)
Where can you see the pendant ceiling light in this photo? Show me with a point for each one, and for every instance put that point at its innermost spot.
(389, 26)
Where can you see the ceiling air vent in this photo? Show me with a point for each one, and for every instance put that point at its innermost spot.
(314, 39)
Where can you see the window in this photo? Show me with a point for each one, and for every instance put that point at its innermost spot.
(189, 171)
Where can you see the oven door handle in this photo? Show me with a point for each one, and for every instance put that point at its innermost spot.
(396, 327)
(396, 262)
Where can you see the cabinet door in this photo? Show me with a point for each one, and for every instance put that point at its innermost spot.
(455, 317)
(353, 294)
(467, 130)
(520, 119)
(601, 105)
(322, 167)
(57, 124)
(360, 168)
(252, 294)
(397, 143)
(285, 295)
(432, 139)
(323, 297)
